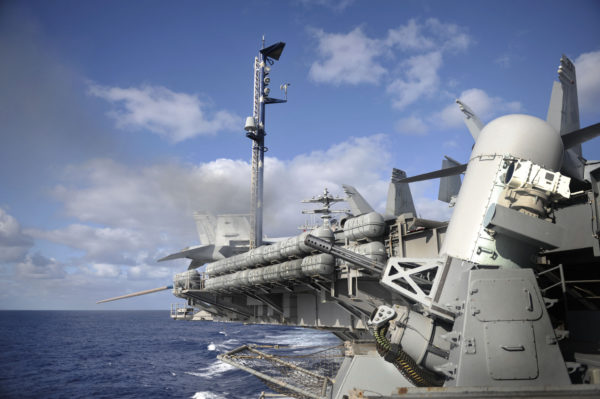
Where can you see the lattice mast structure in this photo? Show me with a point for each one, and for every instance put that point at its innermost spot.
(255, 130)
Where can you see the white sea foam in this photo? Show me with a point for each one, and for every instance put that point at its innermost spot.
(217, 368)
(301, 337)
(211, 347)
(214, 369)
(207, 395)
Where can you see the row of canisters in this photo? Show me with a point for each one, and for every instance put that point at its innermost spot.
(369, 226)
(310, 266)
(290, 248)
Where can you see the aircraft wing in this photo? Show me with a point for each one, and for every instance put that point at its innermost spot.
(200, 252)
(455, 170)
(580, 136)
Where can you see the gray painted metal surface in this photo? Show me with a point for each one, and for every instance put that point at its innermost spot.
(472, 300)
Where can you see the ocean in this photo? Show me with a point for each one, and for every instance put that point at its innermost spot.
(130, 354)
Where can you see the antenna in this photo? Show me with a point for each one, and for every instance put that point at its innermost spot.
(327, 200)
(255, 130)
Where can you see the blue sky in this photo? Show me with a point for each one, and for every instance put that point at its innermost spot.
(119, 119)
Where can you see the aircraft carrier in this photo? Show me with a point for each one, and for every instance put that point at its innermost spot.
(499, 301)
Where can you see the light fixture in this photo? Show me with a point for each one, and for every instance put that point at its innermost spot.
(250, 124)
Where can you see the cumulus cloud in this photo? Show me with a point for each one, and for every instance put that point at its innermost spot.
(433, 34)
(151, 198)
(38, 266)
(485, 107)
(588, 80)
(174, 116)
(103, 270)
(151, 207)
(346, 58)
(421, 79)
(14, 243)
(145, 272)
(360, 162)
(114, 245)
(355, 58)
(450, 37)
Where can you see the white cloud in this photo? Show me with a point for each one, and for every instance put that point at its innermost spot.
(432, 35)
(152, 198)
(115, 245)
(588, 80)
(14, 243)
(145, 272)
(450, 37)
(421, 79)
(485, 107)
(105, 270)
(150, 209)
(409, 37)
(360, 162)
(38, 266)
(354, 58)
(347, 58)
(412, 125)
(174, 116)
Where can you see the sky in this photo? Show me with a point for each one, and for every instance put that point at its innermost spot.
(120, 119)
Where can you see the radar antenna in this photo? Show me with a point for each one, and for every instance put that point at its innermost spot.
(325, 211)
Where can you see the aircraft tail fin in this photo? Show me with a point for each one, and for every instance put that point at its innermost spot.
(206, 226)
(563, 114)
(449, 185)
(473, 123)
(399, 199)
(358, 205)
(232, 229)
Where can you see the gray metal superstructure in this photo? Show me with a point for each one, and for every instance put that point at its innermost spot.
(488, 304)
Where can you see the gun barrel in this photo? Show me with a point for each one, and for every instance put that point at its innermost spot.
(357, 261)
(145, 292)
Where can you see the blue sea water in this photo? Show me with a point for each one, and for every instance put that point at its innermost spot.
(130, 354)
